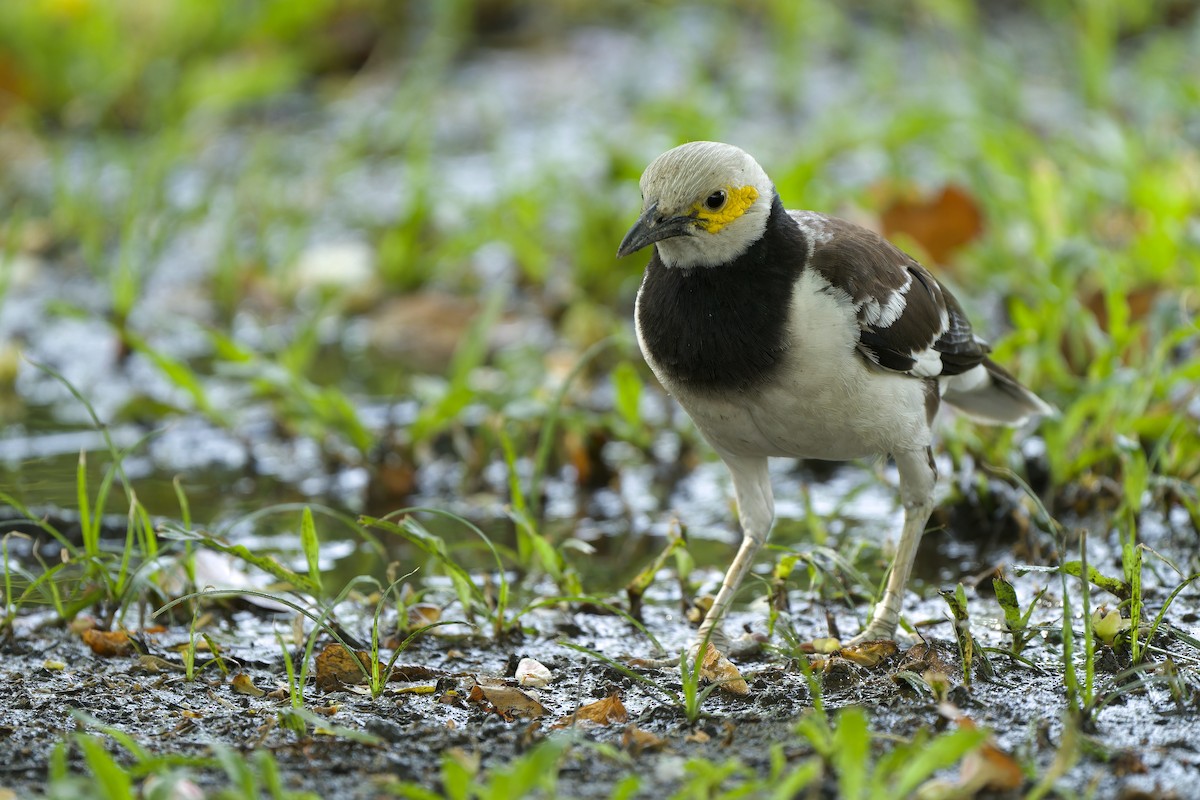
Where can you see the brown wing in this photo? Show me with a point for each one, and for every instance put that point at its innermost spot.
(907, 321)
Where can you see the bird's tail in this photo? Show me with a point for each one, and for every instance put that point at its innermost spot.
(989, 394)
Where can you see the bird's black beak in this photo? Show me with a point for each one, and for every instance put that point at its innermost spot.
(651, 228)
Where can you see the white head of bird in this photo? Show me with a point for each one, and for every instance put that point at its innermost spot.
(703, 205)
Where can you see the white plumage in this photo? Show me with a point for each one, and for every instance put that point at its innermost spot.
(796, 334)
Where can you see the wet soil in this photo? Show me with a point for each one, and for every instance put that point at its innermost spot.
(1142, 742)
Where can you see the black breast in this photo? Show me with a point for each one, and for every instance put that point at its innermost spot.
(724, 327)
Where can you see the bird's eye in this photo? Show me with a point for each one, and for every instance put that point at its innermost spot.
(715, 201)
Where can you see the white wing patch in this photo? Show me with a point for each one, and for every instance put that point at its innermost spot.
(813, 225)
(882, 315)
(929, 361)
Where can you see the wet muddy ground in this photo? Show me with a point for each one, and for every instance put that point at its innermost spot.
(1140, 743)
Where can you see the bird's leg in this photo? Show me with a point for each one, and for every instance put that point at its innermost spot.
(756, 511)
(918, 475)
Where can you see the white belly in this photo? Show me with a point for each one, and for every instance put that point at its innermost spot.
(823, 402)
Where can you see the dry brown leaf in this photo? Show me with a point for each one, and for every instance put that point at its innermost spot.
(642, 663)
(1139, 302)
(986, 769)
(242, 684)
(868, 654)
(989, 767)
(941, 224)
(636, 740)
(1128, 762)
(155, 665)
(507, 702)
(107, 644)
(921, 657)
(716, 668)
(422, 329)
(697, 737)
(609, 711)
(200, 645)
(413, 673)
(338, 667)
(423, 614)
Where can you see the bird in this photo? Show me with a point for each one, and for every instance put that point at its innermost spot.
(789, 333)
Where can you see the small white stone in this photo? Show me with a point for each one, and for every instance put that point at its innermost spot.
(533, 674)
(347, 265)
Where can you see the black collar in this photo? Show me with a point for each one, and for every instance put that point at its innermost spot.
(724, 327)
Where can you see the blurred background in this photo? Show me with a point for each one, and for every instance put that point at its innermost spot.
(361, 253)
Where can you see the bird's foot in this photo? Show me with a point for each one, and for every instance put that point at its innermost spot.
(873, 633)
(883, 622)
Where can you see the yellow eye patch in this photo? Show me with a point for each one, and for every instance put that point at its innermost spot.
(736, 203)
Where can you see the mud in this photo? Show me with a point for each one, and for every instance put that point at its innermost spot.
(1142, 740)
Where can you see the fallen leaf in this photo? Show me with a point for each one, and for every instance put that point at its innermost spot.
(507, 702)
(107, 644)
(698, 737)
(1138, 301)
(242, 684)
(421, 329)
(921, 657)
(338, 667)
(423, 614)
(941, 224)
(1128, 762)
(868, 654)
(636, 740)
(987, 768)
(533, 674)
(200, 645)
(716, 668)
(990, 768)
(643, 663)
(609, 711)
(413, 673)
